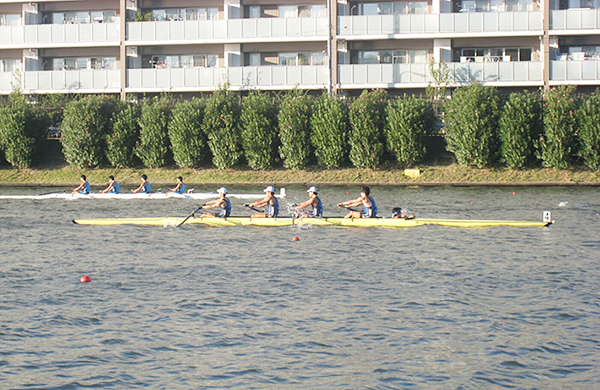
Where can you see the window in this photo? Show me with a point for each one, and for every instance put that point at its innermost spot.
(288, 59)
(10, 20)
(254, 12)
(254, 59)
(496, 54)
(368, 57)
(10, 65)
(288, 11)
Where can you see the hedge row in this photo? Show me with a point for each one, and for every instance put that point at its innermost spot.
(480, 127)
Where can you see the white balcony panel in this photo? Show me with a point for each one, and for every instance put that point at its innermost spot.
(574, 19)
(191, 30)
(308, 26)
(589, 19)
(71, 33)
(558, 20)
(461, 22)
(73, 80)
(475, 21)
(234, 28)
(190, 77)
(589, 70)
(359, 25)
(6, 82)
(574, 70)
(249, 28)
(402, 24)
(322, 75)
(558, 70)
(49, 34)
(490, 21)
(264, 27)
(134, 31)
(280, 75)
(446, 23)
(432, 23)
(417, 24)
(85, 32)
(292, 27)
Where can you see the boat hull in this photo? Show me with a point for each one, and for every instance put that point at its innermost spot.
(288, 221)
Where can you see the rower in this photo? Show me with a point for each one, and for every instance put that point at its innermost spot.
(144, 187)
(179, 187)
(398, 214)
(222, 202)
(314, 202)
(113, 186)
(270, 202)
(83, 188)
(366, 200)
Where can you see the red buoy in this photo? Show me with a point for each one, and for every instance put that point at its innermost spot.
(85, 279)
(347, 193)
(472, 202)
(515, 193)
(296, 238)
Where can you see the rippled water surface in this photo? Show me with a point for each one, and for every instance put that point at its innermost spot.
(244, 307)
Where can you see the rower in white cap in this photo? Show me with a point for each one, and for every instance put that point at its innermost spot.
(270, 202)
(314, 202)
(222, 202)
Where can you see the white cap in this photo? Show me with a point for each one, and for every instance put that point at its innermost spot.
(312, 189)
(222, 190)
(269, 189)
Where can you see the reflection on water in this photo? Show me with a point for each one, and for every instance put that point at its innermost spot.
(247, 307)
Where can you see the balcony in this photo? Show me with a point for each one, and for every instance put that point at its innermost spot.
(209, 79)
(575, 19)
(60, 35)
(71, 81)
(231, 30)
(575, 72)
(440, 24)
(417, 75)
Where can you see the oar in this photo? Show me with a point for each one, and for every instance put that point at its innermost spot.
(254, 208)
(189, 216)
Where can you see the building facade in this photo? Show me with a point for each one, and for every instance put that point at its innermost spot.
(150, 46)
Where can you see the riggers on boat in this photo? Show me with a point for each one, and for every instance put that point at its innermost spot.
(289, 221)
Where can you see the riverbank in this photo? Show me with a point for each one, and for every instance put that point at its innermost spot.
(452, 174)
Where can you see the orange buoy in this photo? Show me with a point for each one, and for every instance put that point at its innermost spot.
(85, 279)
(472, 202)
(296, 238)
(347, 193)
(515, 193)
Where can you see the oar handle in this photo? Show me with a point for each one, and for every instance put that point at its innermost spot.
(254, 208)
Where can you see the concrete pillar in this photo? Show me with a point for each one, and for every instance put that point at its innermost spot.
(122, 63)
(545, 4)
(232, 55)
(442, 50)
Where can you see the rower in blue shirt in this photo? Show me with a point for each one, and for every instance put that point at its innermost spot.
(222, 202)
(113, 186)
(179, 188)
(365, 199)
(270, 202)
(314, 202)
(83, 188)
(144, 187)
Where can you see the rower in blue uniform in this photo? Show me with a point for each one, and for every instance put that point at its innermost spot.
(113, 186)
(222, 202)
(144, 187)
(270, 202)
(314, 202)
(84, 187)
(365, 199)
(179, 188)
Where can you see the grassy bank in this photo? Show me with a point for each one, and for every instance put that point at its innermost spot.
(430, 175)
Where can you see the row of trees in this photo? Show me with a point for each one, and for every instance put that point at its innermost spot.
(480, 127)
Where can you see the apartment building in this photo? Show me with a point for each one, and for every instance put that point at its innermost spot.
(190, 46)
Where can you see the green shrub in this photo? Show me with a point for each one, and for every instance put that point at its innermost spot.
(153, 146)
(409, 124)
(471, 119)
(259, 126)
(294, 127)
(188, 140)
(520, 125)
(120, 143)
(22, 129)
(558, 143)
(221, 125)
(367, 120)
(329, 131)
(84, 128)
(588, 116)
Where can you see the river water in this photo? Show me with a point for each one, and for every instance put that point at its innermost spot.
(352, 308)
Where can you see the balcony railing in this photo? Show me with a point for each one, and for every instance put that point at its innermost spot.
(72, 81)
(267, 77)
(231, 29)
(517, 73)
(469, 22)
(575, 71)
(51, 34)
(575, 19)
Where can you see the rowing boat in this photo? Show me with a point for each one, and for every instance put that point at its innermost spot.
(289, 221)
(130, 196)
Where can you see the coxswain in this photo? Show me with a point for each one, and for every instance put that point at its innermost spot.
(144, 187)
(270, 202)
(83, 188)
(314, 202)
(113, 186)
(179, 187)
(370, 208)
(222, 202)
